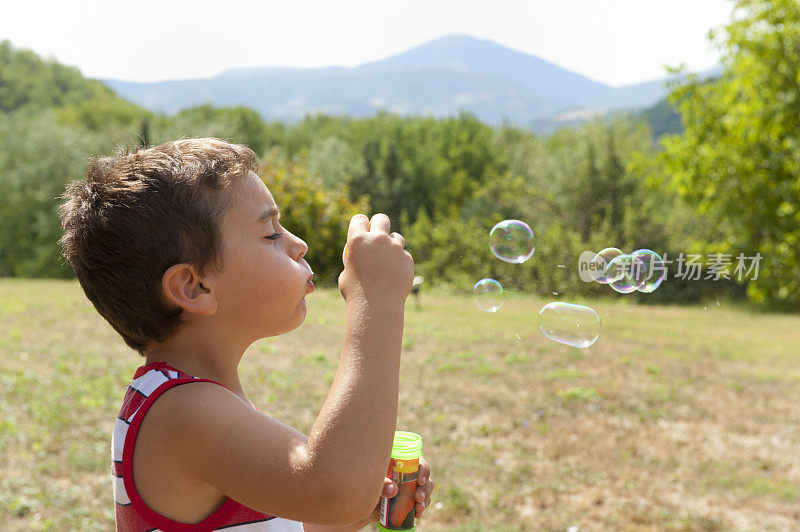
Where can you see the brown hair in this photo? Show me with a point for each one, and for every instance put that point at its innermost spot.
(137, 214)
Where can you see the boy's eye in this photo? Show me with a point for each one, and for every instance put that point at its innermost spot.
(274, 236)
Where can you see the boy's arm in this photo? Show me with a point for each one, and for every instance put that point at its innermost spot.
(355, 429)
(335, 475)
(355, 527)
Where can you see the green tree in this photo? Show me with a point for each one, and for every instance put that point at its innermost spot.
(241, 125)
(737, 160)
(109, 116)
(415, 164)
(37, 157)
(335, 162)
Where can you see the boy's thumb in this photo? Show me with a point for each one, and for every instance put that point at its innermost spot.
(389, 488)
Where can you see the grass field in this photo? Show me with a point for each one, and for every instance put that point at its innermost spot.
(678, 418)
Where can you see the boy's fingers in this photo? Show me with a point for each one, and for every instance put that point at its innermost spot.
(426, 498)
(422, 497)
(419, 507)
(424, 492)
(398, 236)
(380, 222)
(359, 222)
(424, 471)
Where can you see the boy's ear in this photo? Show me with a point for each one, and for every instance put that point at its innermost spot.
(183, 287)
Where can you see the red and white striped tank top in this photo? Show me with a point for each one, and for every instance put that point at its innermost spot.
(131, 512)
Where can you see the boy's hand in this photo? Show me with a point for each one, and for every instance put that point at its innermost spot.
(422, 497)
(377, 265)
(424, 487)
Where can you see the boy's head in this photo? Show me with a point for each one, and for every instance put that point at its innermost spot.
(139, 213)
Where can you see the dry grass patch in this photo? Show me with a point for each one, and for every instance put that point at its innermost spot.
(678, 418)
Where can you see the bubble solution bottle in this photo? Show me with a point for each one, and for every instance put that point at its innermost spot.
(397, 513)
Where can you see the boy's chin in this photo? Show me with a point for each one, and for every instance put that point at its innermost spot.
(290, 325)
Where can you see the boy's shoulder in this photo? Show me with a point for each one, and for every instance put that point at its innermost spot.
(175, 401)
(193, 403)
(149, 386)
(167, 409)
(172, 413)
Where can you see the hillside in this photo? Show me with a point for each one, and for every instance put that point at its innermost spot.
(439, 78)
(26, 79)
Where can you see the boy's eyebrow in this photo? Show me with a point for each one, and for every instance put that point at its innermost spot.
(267, 215)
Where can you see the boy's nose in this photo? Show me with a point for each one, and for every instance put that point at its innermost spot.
(302, 248)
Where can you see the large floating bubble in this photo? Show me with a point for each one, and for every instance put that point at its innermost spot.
(570, 324)
(654, 270)
(512, 241)
(488, 295)
(600, 263)
(625, 273)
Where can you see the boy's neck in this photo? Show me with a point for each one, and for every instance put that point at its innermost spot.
(197, 360)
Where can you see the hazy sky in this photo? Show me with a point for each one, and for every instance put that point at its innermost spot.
(612, 41)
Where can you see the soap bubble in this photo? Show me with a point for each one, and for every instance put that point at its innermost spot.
(600, 262)
(512, 241)
(488, 295)
(625, 273)
(569, 324)
(654, 270)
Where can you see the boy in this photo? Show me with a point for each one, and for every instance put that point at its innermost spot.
(180, 248)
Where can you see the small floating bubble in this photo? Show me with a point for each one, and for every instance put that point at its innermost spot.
(625, 273)
(654, 270)
(570, 324)
(512, 241)
(488, 295)
(600, 263)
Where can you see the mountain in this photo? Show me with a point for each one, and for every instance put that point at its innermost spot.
(662, 119)
(439, 78)
(459, 52)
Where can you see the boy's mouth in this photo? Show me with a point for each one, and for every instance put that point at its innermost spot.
(310, 283)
